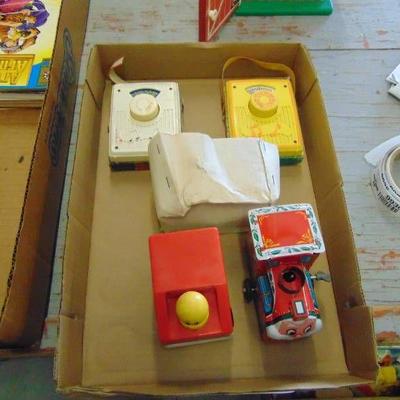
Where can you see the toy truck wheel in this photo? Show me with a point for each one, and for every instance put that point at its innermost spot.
(249, 290)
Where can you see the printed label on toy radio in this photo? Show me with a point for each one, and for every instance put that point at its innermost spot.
(259, 88)
(151, 92)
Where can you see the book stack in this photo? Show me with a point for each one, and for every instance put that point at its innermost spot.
(387, 330)
(27, 35)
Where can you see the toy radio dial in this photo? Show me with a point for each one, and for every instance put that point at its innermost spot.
(263, 104)
(144, 107)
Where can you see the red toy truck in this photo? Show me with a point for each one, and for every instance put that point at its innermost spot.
(189, 286)
(285, 242)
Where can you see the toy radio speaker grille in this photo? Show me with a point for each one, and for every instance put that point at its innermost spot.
(265, 108)
(139, 111)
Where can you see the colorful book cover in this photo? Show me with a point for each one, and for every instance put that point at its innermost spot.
(27, 35)
(387, 330)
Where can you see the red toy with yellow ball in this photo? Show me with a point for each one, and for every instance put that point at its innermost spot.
(189, 287)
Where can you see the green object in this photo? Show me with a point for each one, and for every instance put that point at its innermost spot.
(285, 7)
(290, 160)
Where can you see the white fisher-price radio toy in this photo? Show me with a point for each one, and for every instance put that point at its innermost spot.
(139, 111)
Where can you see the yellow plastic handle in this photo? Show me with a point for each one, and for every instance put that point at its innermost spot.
(264, 65)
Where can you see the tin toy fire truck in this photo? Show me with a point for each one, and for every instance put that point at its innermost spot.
(285, 242)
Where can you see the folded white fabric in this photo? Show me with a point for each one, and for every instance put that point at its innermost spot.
(394, 76)
(394, 79)
(199, 181)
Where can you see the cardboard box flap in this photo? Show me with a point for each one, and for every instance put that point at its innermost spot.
(191, 60)
(17, 140)
(75, 279)
(69, 350)
(80, 216)
(228, 387)
(304, 68)
(84, 172)
(18, 322)
(318, 142)
(346, 278)
(339, 241)
(22, 318)
(241, 386)
(49, 161)
(76, 255)
(327, 184)
(95, 76)
(357, 324)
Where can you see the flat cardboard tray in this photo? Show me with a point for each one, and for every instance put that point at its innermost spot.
(108, 341)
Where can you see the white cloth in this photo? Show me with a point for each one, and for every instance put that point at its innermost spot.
(192, 169)
(377, 153)
(394, 79)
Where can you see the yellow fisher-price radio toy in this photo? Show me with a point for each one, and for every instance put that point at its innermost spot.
(265, 108)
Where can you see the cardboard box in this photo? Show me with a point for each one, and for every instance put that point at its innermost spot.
(108, 341)
(34, 147)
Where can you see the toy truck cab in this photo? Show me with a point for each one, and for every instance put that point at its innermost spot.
(285, 241)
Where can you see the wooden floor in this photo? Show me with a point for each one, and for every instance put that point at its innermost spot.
(354, 50)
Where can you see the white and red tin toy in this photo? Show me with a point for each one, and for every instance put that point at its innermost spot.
(285, 242)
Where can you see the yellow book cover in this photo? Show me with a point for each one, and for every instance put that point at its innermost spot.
(27, 35)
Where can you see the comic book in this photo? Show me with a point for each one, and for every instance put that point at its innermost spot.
(27, 35)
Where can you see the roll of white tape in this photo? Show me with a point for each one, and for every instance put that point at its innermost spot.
(385, 180)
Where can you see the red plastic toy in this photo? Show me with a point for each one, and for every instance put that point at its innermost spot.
(189, 285)
(285, 242)
(212, 16)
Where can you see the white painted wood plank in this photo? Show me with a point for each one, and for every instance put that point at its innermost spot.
(354, 82)
(362, 115)
(371, 131)
(354, 24)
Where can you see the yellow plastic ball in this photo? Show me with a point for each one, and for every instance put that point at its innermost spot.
(192, 310)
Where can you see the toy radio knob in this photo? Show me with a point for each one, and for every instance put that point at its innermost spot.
(263, 103)
(144, 107)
